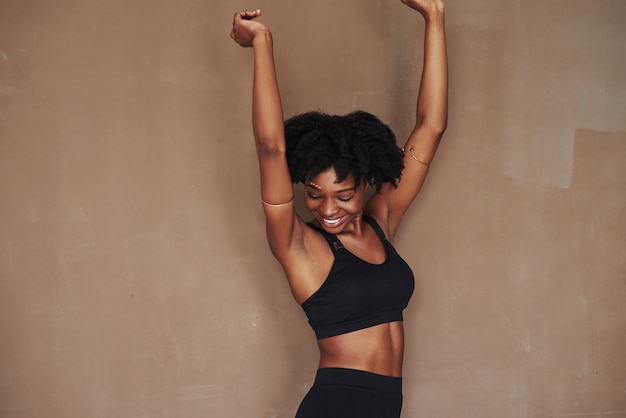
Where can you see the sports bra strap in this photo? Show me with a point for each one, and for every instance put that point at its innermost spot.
(375, 227)
(334, 242)
(332, 239)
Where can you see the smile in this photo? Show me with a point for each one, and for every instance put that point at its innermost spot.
(332, 222)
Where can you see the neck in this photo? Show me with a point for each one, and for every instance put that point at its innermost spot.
(355, 228)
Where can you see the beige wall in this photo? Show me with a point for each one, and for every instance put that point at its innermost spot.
(135, 280)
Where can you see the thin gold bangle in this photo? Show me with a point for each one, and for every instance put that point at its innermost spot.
(275, 205)
(415, 158)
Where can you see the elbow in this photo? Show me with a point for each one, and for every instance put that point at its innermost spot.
(440, 128)
(434, 129)
(269, 149)
(269, 142)
(435, 123)
(444, 126)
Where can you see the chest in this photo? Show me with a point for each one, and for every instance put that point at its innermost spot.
(356, 283)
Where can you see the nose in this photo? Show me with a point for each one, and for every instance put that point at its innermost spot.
(328, 208)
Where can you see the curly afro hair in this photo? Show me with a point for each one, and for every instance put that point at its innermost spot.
(357, 143)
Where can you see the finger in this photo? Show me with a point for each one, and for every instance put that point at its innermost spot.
(249, 14)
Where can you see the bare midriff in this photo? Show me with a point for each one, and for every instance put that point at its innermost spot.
(378, 349)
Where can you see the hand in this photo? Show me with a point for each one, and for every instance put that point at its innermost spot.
(245, 29)
(425, 7)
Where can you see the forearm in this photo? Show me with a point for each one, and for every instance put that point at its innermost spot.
(267, 113)
(267, 118)
(432, 103)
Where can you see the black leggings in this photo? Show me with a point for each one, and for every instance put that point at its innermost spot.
(348, 393)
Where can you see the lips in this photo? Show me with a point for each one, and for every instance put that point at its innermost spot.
(332, 223)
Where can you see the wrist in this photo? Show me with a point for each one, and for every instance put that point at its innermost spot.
(264, 37)
(435, 14)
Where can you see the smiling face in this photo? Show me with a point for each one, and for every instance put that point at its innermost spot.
(334, 204)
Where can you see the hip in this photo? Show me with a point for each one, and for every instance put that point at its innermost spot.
(347, 393)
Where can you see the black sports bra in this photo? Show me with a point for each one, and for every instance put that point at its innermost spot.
(357, 294)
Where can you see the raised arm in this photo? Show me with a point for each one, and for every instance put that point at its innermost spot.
(268, 126)
(430, 122)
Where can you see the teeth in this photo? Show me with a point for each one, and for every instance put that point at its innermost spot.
(331, 221)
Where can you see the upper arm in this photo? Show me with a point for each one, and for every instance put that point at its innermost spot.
(283, 226)
(391, 203)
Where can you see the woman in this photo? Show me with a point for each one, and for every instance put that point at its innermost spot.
(342, 267)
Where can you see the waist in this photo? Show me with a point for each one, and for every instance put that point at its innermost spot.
(378, 349)
(360, 379)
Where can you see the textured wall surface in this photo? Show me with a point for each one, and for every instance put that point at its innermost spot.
(135, 279)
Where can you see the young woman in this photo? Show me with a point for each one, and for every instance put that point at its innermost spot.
(342, 266)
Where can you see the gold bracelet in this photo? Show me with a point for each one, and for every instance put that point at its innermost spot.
(415, 158)
(275, 205)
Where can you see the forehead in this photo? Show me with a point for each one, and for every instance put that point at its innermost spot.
(327, 179)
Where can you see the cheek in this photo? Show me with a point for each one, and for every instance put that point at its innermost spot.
(357, 206)
(359, 199)
(353, 205)
(310, 204)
